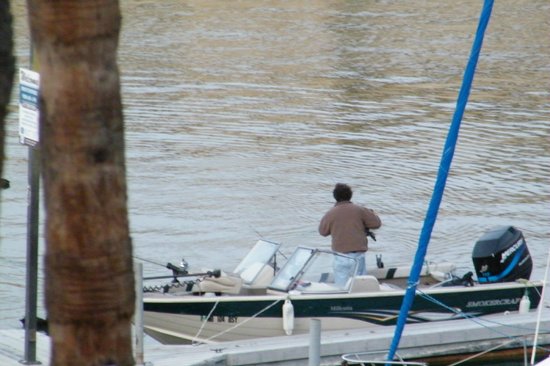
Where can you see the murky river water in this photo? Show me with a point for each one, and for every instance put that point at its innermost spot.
(241, 115)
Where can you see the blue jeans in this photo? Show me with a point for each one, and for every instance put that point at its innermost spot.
(343, 268)
(361, 266)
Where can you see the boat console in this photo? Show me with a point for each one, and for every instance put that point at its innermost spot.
(309, 270)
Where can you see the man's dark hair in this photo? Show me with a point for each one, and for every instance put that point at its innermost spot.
(342, 192)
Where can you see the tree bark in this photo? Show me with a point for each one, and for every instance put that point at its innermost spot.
(7, 71)
(89, 284)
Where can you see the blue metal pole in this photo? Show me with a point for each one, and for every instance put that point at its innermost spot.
(444, 167)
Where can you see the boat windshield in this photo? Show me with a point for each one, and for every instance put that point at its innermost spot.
(258, 257)
(311, 271)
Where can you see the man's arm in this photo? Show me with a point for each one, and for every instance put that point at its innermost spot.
(371, 219)
(324, 226)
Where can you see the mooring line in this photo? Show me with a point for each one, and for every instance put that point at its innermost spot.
(245, 321)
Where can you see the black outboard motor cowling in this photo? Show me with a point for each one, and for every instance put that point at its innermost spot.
(501, 255)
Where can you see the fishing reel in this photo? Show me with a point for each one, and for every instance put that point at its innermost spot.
(369, 233)
(177, 271)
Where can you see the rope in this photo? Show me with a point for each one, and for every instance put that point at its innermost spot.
(487, 351)
(236, 325)
(475, 319)
(479, 322)
(442, 175)
(540, 310)
(206, 319)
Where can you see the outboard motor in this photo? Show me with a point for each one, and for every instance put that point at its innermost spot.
(501, 255)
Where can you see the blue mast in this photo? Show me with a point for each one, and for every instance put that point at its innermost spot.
(442, 175)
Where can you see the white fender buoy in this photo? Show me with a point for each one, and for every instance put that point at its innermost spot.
(524, 304)
(288, 317)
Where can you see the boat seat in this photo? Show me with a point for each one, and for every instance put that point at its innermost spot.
(263, 279)
(249, 273)
(365, 283)
(224, 284)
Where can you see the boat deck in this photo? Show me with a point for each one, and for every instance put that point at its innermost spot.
(418, 341)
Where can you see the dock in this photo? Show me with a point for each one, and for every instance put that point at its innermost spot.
(426, 341)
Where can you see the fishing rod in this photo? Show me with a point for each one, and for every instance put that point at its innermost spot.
(262, 237)
(148, 260)
(215, 273)
(176, 271)
(370, 233)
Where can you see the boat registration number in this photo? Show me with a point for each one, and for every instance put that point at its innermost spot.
(221, 319)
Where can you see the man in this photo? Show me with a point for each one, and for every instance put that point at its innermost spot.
(347, 224)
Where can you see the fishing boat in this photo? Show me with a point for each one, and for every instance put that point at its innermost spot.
(259, 299)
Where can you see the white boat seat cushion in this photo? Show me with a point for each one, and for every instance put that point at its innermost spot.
(257, 275)
(263, 279)
(225, 284)
(365, 283)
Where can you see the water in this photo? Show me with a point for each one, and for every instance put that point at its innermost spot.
(241, 116)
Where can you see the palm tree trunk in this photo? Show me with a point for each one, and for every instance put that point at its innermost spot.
(89, 285)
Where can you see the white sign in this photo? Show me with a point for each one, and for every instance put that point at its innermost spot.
(29, 86)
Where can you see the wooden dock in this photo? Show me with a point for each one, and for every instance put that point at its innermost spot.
(419, 341)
